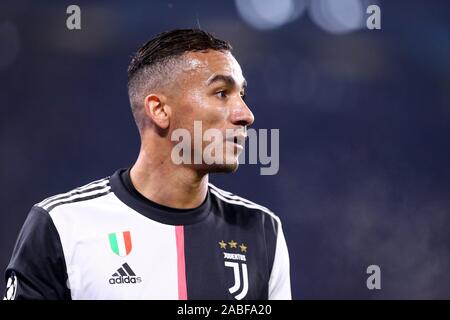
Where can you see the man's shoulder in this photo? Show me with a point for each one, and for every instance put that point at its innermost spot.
(89, 191)
(241, 203)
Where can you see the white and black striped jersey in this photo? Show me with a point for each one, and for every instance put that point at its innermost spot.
(106, 241)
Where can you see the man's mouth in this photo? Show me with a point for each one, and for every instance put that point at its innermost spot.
(239, 140)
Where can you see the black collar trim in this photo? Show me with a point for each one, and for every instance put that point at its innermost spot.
(123, 188)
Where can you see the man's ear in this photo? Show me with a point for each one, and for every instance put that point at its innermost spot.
(157, 110)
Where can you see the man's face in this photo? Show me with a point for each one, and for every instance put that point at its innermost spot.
(210, 91)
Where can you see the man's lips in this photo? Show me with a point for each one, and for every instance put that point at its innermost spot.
(238, 139)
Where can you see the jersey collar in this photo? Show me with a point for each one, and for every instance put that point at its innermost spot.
(123, 188)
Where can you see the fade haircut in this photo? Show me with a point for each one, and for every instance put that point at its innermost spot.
(155, 63)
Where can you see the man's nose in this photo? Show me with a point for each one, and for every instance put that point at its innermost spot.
(242, 115)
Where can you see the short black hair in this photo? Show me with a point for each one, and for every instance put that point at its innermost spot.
(162, 48)
(174, 43)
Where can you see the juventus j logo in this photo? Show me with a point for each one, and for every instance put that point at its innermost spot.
(237, 279)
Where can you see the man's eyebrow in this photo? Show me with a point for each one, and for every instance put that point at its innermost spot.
(229, 80)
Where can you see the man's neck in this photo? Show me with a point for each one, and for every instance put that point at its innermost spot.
(168, 184)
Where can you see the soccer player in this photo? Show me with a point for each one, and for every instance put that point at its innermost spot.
(159, 229)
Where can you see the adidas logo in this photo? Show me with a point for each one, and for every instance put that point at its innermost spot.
(124, 275)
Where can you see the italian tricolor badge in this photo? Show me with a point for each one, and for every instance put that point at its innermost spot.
(120, 243)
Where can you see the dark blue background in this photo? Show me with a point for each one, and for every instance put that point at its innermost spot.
(363, 117)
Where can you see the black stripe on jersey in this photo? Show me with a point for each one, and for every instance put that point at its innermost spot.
(38, 260)
(269, 221)
(97, 195)
(74, 193)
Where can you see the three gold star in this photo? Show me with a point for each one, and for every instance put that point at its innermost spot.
(232, 244)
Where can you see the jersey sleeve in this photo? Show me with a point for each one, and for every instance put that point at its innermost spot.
(37, 269)
(280, 282)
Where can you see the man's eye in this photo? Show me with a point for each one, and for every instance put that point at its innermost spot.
(244, 97)
(221, 94)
